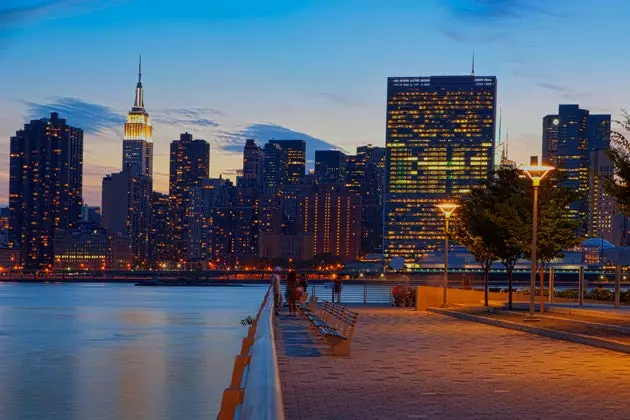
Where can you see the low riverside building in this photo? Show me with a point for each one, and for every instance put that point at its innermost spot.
(92, 249)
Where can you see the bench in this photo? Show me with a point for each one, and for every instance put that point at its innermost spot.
(310, 305)
(335, 324)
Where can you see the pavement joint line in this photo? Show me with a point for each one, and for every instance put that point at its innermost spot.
(617, 328)
(581, 311)
(545, 332)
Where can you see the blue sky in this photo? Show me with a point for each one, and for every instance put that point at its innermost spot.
(227, 70)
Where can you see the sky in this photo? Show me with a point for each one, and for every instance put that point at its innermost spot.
(227, 70)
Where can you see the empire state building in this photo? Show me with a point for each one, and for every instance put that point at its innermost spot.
(137, 143)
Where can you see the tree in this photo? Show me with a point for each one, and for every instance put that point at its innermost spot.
(507, 233)
(470, 223)
(619, 153)
(492, 223)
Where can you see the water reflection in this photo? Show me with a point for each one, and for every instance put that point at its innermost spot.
(118, 352)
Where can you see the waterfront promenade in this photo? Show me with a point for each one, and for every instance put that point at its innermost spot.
(416, 365)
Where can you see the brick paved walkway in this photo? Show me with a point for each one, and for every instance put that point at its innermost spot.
(409, 365)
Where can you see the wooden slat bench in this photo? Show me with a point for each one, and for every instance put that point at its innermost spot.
(336, 325)
(309, 306)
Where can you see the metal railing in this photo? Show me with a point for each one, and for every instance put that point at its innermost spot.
(366, 293)
(255, 391)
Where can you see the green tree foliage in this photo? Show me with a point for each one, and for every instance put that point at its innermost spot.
(619, 153)
(468, 228)
(556, 230)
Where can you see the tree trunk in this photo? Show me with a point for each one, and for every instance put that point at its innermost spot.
(486, 274)
(509, 273)
(541, 274)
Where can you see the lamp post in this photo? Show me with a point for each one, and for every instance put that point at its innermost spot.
(536, 174)
(447, 209)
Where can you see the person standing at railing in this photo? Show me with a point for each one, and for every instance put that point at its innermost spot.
(337, 289)
(275, 287)
(292, 285)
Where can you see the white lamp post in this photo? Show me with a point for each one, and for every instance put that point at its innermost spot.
(447, 209)
(536, 174)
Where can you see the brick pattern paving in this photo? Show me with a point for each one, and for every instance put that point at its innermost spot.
(409, 365)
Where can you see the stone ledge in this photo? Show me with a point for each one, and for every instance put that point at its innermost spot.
(545, 332)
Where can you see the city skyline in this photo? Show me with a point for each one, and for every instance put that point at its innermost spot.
(333, 91)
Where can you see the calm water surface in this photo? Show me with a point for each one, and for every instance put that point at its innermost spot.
(83, 351)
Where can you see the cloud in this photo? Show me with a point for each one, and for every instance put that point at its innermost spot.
(14, 14)
(483, 21)
(187, 116)
(552, 86)
(92, 118)
(233, 141)
(497, 10)
(95, 118)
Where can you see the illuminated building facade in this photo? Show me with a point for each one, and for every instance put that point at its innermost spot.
(440, 143)
(274, 168)
(129, 213)
(295, 156)
(45, 187)
(578, 135)
(161, 229)
(189, 166)
(90, 248)
(550, 140)
(253, 164)
(329, 213)
(365, 175)
(601, 206)
(330, 166)
(137, 141)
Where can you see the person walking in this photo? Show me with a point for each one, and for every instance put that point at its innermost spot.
(292, 286)
(275, 289)
(304, 285)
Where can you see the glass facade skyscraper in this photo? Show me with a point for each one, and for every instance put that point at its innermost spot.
(440, 144)
(330, 166)
(569, 138)
(295, 156)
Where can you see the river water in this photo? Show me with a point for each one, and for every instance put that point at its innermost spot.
(115, 351)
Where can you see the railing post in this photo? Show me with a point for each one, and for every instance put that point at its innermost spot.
(364, 293)
(581, 286)
(551, 285)
(617, 285)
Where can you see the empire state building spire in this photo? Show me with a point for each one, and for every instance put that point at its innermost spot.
(139, 101)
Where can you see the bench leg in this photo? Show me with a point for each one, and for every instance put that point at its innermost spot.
(339, 346)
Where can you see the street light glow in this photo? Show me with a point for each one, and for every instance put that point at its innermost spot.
(447, 208)
(537, 173)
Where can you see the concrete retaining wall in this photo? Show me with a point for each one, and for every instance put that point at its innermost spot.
(428, 297)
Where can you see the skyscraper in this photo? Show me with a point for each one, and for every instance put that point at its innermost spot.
(126, 209)
(365, 175)
(189, 166)
(601, 206)
(161, 229)
(295, 156)
(275, 168)
(577, 135)
(440, 144)
(598, 132)
(330, 166)
(115, 202)
(550, 140)
(328, 212)
(253, 164)
(137, 142)
(45, 186)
